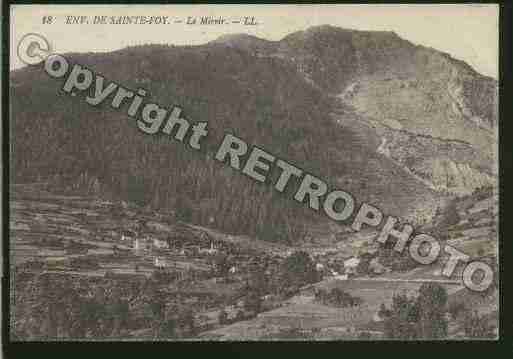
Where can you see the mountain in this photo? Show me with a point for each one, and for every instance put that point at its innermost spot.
(410, 93)
(398, 125)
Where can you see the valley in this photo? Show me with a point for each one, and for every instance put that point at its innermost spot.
(85, 238)
(115, 234)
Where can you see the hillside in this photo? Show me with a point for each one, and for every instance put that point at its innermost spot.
(400, 88)
(362, 110)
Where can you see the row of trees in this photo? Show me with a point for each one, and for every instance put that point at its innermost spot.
(265, 276)
(337, 298)
(53, 307)
(424, 317)
(474, 325)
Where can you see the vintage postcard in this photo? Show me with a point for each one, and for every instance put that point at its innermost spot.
(253, 172)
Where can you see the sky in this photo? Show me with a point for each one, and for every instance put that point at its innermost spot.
(468, 32)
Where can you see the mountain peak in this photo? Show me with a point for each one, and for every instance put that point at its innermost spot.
(237, 37)
(246, 42)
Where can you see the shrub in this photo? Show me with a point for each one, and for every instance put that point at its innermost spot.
(476, 326)
(296, 271)
(240, 315)
(417, 318)
(364, 335)
(455, 309)
(338, 298)
(222, 317)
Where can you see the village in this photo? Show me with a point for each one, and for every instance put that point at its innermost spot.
(225, 280)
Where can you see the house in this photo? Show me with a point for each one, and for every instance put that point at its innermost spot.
(160, 262)
(160, 244)
(210, 251)
(351, 262)
(376, 267)
(341, 277)
(232, 270)
(376, 317)
(128, 235)
(350, 265)
(141, 244)
(193, 250)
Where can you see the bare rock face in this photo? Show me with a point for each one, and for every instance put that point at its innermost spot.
(435, 116)
(451, 167)
(457, 178)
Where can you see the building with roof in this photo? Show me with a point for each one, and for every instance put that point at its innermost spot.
(351, 264)
(160, 244)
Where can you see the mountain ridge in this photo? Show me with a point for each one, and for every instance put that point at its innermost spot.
(278, 95)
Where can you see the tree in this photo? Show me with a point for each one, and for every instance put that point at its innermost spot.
(297, 270)
(168, 328)
(240, 315)
(455, 309)
(422, 317)
(320, 294)
(222, 317)
(252, 301)
(160, 275)
(364, 335)
(157, 304)
(337, 297)
(432, 303)
(221, 264)
(184, 209)
(450, 216)
(96, 313)
(257, 281)
(364, 264)
(401, 323)
(120, 311)
(139, 190)
(384, 312)
(185, 321)
(476, 326)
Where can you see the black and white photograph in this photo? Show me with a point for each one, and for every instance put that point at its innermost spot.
(253, 173)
